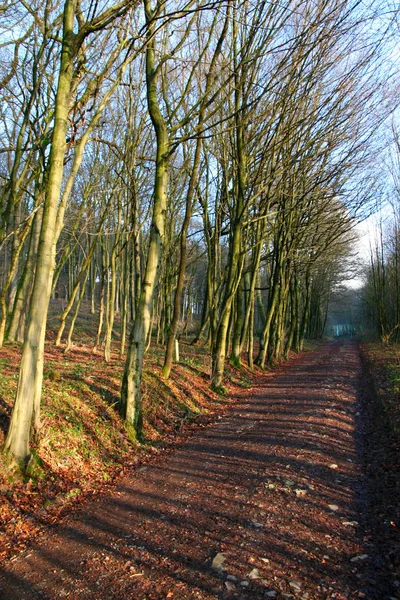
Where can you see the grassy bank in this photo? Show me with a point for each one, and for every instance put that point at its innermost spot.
(383, 363)
(84, 445)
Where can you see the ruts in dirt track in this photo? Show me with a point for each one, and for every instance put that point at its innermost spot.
(267, 502)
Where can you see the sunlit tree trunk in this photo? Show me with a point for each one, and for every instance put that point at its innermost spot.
(103, 275)
(189, 208)
(236, 257)
(130, 404)
(68, 345)
(111, 298)
(31, 369)
(16, 329)
(169, 353)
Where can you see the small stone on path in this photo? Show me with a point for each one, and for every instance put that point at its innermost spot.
(333, 507)
(218, 561)
(254, 574)
(257, 525)
(295, 585)
(359, 557)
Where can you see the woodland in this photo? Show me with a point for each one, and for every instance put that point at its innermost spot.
(188, 171)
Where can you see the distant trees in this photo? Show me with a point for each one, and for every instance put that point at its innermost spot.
(381, 291)
(163, 159)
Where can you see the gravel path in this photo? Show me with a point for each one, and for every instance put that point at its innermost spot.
(267, 502)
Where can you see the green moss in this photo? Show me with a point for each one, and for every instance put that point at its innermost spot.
(235, 362)
(72, 493)
(34, 469)
(220, 390)
(53, 375)
(131, 433)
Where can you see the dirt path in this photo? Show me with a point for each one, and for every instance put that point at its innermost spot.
(273, 489)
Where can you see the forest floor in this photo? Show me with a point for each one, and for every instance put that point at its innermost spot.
(291, 491)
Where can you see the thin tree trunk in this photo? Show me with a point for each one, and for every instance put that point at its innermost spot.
(72, 325)
(125, 300)
(233, 279)
(272, 306)
(238, 326)
(204, 316)
(81, 275)
(101, 303)
(130, 404)
(169, 353)
(250, 361)
(10, 278)
(188, 212)
(92, 278)
(235, 263)
(16, 327)
(306, 313)
(110, 310)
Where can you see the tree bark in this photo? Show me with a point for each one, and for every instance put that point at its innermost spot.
(130, 403)
(16, 328)
(31, 368)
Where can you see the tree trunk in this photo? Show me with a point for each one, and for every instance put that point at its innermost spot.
(169, 353)
(31, 368)
(233, 279)
(73, 321)
(111, 298)
(130, 404)
(238, 326)
(16, 328)
(101, 303)
(17, 247)
(251, 339)
(272, 304)
(235, 262)
(306, 313)
(125, 298)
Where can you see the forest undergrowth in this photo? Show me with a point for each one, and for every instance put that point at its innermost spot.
(380, 433)
(383, 364)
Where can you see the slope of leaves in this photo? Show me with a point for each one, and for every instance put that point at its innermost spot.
(382, 447)
(84, 445)
(384, 366)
